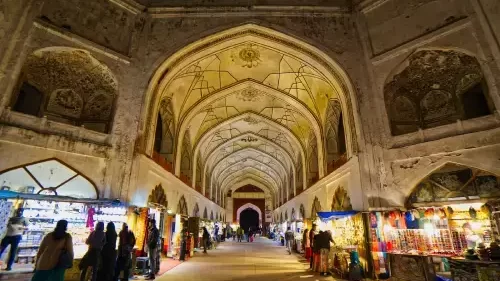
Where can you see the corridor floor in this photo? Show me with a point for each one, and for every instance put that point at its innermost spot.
(262, 260)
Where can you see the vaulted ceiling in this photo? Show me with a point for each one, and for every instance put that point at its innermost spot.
(249, 106)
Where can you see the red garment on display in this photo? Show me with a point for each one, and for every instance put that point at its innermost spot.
(90, 218)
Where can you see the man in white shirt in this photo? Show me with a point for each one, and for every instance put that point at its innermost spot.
(15, 228)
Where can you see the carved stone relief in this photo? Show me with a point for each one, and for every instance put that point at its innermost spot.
(78, 86)
(429, 91)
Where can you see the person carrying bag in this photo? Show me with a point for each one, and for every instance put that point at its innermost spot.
(55, 254)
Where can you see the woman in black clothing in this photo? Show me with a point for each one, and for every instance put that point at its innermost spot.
(108, 254)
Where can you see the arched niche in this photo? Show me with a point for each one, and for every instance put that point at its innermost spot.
(158, 198)
(69, 86)
(182, 207)
(165, 132)
(196, 211)
(454, 182)
(205, 213)
(435, 87)
(211, 215)
(316, 207)
(341, 200)
(51, 177)
(302, 212)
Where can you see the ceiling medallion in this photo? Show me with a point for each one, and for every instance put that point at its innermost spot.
(251, 120)
(248, 56)
(249, 94)
(249, 139)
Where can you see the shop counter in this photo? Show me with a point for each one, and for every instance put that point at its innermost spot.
(408, 267)
(470, 270)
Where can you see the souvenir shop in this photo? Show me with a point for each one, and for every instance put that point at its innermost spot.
(45, 192)
(449, 230)
(348, 232)
(297, 226)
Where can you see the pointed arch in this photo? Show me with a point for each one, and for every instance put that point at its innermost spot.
(182, 208)
(205, 213)
(316, 207)
(158, 197)
(196, 211)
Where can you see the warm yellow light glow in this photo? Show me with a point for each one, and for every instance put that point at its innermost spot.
(475, 225)
(466, 206)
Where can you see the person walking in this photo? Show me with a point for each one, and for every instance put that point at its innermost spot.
(306, 245)
(108, 254)
(153, 238)
(95, 241)
(289, 237)
(55, 254)
(206, 238)
(126, 244)
(15, 228)
(239, 233)
(312, 233)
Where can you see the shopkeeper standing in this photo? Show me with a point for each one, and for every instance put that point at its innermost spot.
(15, 228)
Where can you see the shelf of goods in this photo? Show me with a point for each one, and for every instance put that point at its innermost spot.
(348, 234)
(426, 238)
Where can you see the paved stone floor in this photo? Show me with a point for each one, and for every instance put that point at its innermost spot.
(262, 260)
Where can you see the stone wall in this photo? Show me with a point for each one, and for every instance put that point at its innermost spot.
(370, 43)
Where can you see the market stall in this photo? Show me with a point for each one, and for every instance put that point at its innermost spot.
(41, 212)
(348, 233)
(449, 224)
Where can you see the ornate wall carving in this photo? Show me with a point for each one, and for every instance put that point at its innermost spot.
(79, 89)
(431, 90)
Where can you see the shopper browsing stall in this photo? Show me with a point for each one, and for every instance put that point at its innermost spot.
(96, 241)
(126, 244)
(153, 238)
(55, 254)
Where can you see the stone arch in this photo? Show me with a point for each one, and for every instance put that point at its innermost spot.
(302, 212)
(165, 134)
(251, 206)
(205, 213)
(341, 200)
(211, 215)
(452, 181)
(67, 85)
(315, 208)
(182, 208)
(319, 60)
(427, 90)
(158, 197)
(196, 211)
(293, 215)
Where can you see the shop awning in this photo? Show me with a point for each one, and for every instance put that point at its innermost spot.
(7, 194)
(327, 216)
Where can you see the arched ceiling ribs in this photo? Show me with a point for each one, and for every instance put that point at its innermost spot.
(238, 182)
(284, 175)
(250, 163)
(282, 135)
(235, 143)
(269, 102)
(253, 171)
(226, 159)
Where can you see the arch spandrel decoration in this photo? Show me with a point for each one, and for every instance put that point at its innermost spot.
(196, 211)
(75, 87)
(182, 207)
(436, 87)
(454, 182)
(252, 69)
(158, 198)
(341, 200)
(316, 207)
(205, 213)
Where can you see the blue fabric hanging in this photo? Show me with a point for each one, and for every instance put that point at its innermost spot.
(328, 216)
